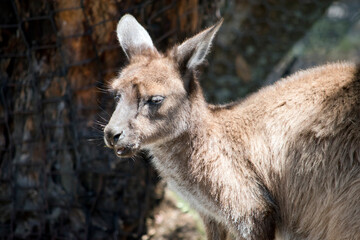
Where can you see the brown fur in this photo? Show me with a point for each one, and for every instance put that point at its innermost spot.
(284, 163)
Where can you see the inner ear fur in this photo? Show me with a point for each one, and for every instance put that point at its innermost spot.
(133, 37)
(192, 52)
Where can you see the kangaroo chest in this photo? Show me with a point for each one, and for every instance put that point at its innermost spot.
(187, 189)
(195, 197)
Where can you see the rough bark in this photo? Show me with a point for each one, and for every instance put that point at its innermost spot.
(55, 58)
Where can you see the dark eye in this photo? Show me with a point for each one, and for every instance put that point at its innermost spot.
(156, 99)
(117, 97)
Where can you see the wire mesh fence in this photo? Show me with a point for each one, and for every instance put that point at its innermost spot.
(57, 181)
(56, 56)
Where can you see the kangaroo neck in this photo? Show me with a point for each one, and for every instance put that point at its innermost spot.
(194, 149)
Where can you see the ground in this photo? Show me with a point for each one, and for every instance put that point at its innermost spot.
(174, 219)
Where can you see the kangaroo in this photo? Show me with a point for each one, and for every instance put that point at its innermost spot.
(283, 163)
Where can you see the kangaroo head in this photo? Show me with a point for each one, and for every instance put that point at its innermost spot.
(152, 92)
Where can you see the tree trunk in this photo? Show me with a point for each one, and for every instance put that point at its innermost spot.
(56, 56)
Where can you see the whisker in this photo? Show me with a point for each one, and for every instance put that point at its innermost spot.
(94, 140)
(106, 120)
(101, 108)
(98, 129)
(135, 156)
(103, 90)
(97, 141)
(102, 86)
(98, 123)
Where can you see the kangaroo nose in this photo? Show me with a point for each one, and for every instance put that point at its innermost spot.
(112, 138)
(116, 137)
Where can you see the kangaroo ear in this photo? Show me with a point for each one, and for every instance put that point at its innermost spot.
(132, 36)
(191, 53)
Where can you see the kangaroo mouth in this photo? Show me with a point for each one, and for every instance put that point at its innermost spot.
(125, 151)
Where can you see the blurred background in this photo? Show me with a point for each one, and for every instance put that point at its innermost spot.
(57, 180)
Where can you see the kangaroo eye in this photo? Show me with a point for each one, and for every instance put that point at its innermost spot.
(117, 97)
(156, 99)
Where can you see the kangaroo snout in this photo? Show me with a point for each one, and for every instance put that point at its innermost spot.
(114, 139)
